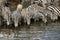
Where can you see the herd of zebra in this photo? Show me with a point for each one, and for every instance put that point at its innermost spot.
(33, 11)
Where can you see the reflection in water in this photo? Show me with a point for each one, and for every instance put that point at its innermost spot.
(38, 31)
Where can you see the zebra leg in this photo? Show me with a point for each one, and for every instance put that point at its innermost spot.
(28, 21)
(16, 22)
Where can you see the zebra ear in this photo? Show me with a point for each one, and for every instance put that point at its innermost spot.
(39, 4)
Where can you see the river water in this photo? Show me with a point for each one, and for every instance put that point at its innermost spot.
(36, 31)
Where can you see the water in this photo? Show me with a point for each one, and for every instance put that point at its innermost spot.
(36, 31)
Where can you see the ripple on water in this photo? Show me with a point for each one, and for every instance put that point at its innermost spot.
(50, 36)
(33, 32)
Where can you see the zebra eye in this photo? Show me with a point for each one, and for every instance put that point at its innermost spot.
(46, 4)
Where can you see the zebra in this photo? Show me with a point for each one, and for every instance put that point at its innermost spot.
(6, 13)
(16, 15)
